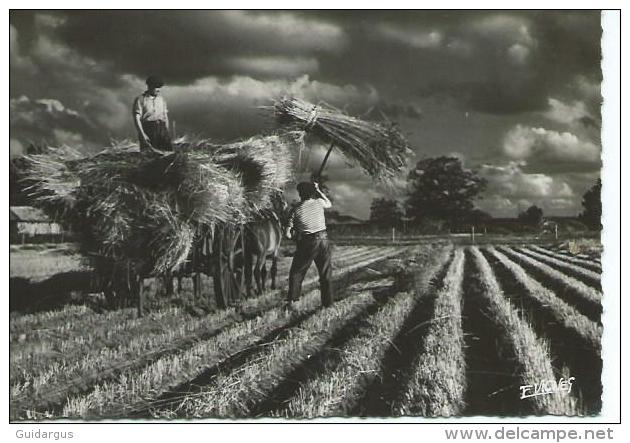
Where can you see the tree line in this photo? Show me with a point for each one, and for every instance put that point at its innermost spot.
(441, 194)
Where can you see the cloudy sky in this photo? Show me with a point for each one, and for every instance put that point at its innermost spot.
(515, 95)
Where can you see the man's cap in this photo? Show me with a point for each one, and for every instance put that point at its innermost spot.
(153, 81)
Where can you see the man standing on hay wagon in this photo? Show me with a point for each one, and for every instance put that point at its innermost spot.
(150, 117)
(307, 226)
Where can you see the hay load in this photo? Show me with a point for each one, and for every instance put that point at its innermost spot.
(52, 179)
(379, 148)
(144, 209)
(264, 164)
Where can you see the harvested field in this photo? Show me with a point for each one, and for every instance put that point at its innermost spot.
(424, 330)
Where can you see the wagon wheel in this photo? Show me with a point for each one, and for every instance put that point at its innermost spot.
(228, 272)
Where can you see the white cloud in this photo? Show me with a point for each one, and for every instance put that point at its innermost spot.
(510, 180)
(518, 53)
(509, 28)
(566, 113)
(511, 33)
(352, 198)
(415, 38)
(243, 88)
(273, 65)
(220, 107)
(284, 31)
(540, 146)
(511, 190)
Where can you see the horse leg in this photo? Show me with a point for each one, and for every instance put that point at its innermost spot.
(196, 279)
(168, 284)
(274, 270)
(263, 274)
(248, 275)
(179, 283)
(257, 271)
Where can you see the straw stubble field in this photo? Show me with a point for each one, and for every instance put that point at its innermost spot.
(425, 330)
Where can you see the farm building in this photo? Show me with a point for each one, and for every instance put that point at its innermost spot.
(31, 225)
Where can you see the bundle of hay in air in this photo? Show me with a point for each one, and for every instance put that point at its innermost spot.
(379, 148)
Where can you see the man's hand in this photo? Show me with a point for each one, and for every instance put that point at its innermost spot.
(288, 233)
(146, 145)
(327, 203)
(145, 140)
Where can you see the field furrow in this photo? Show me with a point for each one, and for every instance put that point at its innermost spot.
(592, 265)
(564, 314)
(384, 396)
(52, 387)
(431, 329)
(438, 382)
(81, 339)
(146, 390)
(574, 340)
(78, 319)
(586, 276)
(343, 382)
(531, 353)
(33, 323)
(595, 257)
(586, 299)
(233, 394)
(35, 357)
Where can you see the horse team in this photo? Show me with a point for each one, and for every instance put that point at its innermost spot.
(262, 238)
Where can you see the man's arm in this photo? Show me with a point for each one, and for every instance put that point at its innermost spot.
(137, 113)
(168, 128)
(327, 204)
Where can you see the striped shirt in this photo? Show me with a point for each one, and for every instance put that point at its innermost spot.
(308, 216)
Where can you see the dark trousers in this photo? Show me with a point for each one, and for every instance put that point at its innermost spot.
(313, 247)
(158, 135)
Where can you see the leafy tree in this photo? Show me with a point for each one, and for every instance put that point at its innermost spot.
(591, 216)
(385, 212)
(532, 216)
(442, 189)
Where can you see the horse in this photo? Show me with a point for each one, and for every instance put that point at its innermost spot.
(263, 237)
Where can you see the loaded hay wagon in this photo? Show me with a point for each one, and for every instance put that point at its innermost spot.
(139, 214)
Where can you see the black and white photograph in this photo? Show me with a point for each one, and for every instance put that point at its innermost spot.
(298, 215)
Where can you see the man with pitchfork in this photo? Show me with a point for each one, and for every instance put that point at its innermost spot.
(307, 225)
(150, 117)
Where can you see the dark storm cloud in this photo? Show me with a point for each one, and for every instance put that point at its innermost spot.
(491, 61)
(187, 45)
(519, 91)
